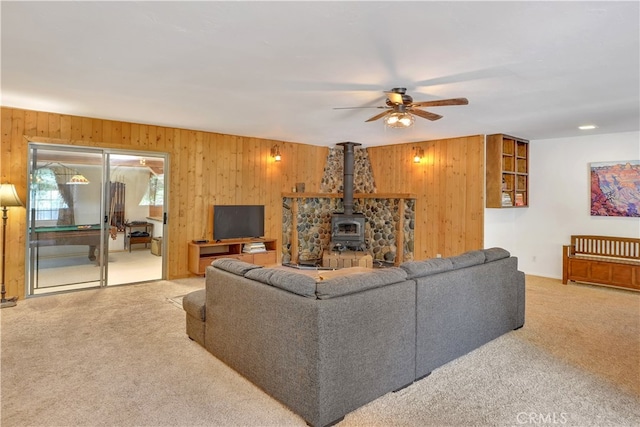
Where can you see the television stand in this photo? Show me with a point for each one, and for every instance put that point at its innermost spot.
(201, 255)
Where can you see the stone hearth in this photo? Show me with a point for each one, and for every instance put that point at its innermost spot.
(389, 218)
(332, 178)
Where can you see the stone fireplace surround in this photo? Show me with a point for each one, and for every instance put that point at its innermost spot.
(389, 218)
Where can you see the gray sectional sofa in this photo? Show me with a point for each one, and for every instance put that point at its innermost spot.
(325, 348)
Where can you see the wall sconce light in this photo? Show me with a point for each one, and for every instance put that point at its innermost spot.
(418, 154)
(275, 153)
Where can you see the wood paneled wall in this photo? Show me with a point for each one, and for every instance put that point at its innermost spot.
(204, 168)
(449, 187)
(207, 168)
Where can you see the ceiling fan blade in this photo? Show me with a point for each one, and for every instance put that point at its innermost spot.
(425, 114)
(441, 102)
(486, 73)
(352, 108)
(394, 97)
(378, 116)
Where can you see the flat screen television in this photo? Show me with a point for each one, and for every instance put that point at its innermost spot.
(238, 221)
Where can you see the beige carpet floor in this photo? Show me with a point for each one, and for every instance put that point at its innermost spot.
(120, 357)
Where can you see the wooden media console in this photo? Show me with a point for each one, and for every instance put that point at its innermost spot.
(201, 255)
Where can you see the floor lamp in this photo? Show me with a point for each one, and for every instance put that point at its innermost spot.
(8, 198)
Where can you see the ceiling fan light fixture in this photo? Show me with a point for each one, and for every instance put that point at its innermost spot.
(399, 120)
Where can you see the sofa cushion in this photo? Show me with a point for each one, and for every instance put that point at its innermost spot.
(493, 254)
(194, 304)
(425, 268)
(350, 284)
(467, 259)
(287, 280)
(234, 266)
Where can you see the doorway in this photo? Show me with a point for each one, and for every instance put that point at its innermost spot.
(96, 218)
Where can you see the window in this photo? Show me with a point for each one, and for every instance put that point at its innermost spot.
(154, 196)
(47, 200)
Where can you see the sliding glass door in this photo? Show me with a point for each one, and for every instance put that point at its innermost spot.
(135, 214)
(65, 225)
(96, 218)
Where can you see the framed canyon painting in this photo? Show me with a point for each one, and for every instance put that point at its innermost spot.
(615, 188)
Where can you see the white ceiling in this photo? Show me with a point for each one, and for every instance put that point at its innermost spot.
(276, 70)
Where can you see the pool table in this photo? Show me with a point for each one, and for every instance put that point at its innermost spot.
(60, 235)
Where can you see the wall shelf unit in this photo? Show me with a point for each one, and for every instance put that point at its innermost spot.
(201, 255)
(507, 170)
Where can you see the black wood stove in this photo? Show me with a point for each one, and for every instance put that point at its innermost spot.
(347, 228)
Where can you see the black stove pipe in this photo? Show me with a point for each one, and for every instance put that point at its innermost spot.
(347, 184)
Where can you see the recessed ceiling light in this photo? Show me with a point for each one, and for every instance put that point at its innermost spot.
(587, 127)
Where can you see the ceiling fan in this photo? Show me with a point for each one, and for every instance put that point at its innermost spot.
(400, 108)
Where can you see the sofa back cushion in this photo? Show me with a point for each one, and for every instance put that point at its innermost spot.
(234, 266)
(287, 280)
(493, 254)
(431, 266)
(350, 284)
(427, 267)
(467, 259)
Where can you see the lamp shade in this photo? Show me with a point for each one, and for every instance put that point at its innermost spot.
(77, 179)
(8, 195)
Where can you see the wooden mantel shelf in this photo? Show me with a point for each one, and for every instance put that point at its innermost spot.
(295, 195)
